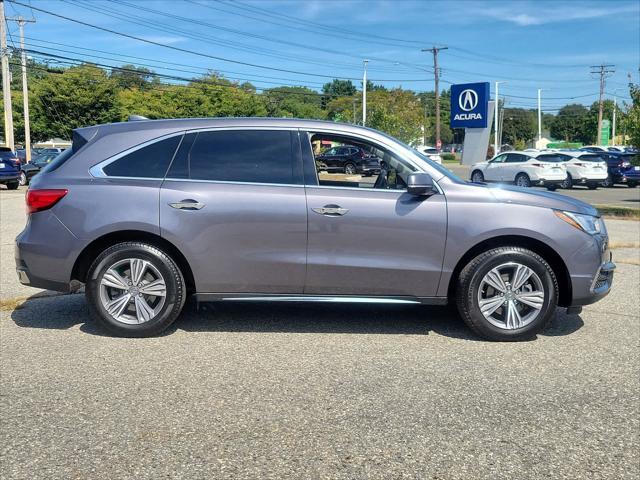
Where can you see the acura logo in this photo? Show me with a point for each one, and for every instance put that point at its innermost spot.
(468, 100)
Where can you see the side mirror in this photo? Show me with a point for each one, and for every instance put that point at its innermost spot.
(420, 184)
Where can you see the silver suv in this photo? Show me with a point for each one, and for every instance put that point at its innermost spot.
(147, 213)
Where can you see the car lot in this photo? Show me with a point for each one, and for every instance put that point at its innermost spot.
(308, 391)
(618, 196)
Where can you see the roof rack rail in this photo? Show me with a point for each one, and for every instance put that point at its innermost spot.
(136, 118)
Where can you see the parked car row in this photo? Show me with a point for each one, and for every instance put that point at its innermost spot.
(560, 168)
(14, 172)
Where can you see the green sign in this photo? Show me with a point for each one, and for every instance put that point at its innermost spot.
(604, 132)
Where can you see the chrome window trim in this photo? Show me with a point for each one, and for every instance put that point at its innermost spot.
(228, 182)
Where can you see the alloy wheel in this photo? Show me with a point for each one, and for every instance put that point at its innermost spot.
(511, 296)
(349, 169)
(23, 179)
(133, 291)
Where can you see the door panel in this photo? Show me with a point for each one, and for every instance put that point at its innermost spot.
(380, 242)
(246, 238)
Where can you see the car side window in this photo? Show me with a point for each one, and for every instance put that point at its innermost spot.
(516, 158)
(499, 159)
(367, 165)
(150, 161)
(247, 156)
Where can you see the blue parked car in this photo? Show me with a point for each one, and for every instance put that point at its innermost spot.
(9, 168)
(620, 169)
(632, 173)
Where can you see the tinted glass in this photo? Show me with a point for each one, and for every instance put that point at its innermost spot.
(256, 156)
(552, 158)
(151, 161)
(514, 158)
(591, 158)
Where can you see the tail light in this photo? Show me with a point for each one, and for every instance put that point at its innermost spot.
(537, 165)
(38, 200)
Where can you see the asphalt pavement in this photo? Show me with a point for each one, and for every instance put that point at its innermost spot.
(317, 391)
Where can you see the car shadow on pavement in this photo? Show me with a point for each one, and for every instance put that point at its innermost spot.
(63, 312)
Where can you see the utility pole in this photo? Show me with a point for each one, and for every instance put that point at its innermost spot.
(604, 71)
(496, 145)
(25, 91)
(364, 93)
(436, 72)
(6, 82)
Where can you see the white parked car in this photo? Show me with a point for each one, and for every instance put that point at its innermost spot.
(521, 168)
(583, 168)
(430, 152)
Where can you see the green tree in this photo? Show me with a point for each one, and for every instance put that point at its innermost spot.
(295, 102)
(397, 112)
(131, 76)
(569, 124)
(519, 126)
(81, 96)
(631, 121)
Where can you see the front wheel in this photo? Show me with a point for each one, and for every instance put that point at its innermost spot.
(135, 290)
(23, 180)
(567, 183)
(477, 177)
(608, 182)
(507, 294)
(632, 184)
(523, 180)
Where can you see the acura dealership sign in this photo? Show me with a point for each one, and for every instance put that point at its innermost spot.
(469, 103)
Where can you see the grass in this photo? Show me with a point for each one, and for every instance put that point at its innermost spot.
(619, 212)
(12, 304)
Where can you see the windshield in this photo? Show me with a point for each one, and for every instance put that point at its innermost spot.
(552, 158)
(591, 158)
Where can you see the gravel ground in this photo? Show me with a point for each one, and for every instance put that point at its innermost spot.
(318, 391)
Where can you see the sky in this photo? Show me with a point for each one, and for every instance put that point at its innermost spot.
(526, 44)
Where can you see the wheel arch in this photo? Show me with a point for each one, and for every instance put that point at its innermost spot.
(93, 249)
(552, 257)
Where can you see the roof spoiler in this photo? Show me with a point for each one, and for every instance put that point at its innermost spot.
(136, 118)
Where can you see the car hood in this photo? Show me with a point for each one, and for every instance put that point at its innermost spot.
(522, 196)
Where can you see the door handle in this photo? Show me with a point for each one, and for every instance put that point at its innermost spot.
(187, 204)
(331, 210)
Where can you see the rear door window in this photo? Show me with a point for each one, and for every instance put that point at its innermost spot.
(150, 161)
(247, 156)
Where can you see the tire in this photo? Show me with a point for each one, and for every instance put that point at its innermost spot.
(592, 186)
(567, 183)
(552, 187)
(632, 184)
(471, 286)
(23, 180)
(350, 169)
(522, 180)
(159, 266)
(477, 176)
(608, 182)
(13, 185)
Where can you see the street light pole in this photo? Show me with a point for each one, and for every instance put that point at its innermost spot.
(615, 107)
(364, 93)
(6, 79)
(539, 117)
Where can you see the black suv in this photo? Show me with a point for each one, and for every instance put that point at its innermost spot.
(348, 159)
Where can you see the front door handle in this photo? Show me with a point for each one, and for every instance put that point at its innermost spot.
(331, 210)
(187, 204)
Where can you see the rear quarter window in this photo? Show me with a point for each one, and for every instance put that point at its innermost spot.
(150, 161)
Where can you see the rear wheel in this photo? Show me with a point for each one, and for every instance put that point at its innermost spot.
(522, 180)
(13, 185)
(608, 182)
(350, 169)
(567, 182)
(507, 294)
(477, 176)
(135, 290)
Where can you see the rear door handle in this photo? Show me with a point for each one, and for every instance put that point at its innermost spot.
(187, 204)
(331, 210)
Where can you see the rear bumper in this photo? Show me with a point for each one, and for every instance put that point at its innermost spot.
(11, 177)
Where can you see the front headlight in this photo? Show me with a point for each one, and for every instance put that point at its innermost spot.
(587, 223)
